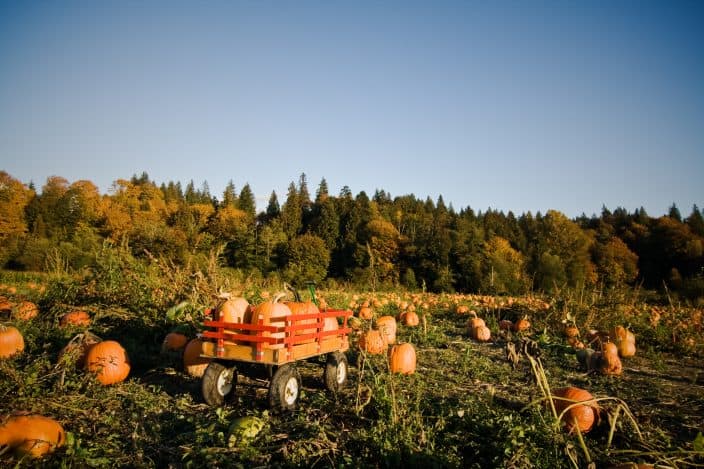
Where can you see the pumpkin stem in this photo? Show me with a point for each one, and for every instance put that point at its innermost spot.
(278, 297)
(223, 295)
(296, 295)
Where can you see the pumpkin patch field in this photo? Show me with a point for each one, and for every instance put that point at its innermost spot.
(101, 372)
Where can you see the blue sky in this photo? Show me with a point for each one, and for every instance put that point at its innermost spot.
(522, 106)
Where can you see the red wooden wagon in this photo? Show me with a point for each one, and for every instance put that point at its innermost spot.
(241, 347)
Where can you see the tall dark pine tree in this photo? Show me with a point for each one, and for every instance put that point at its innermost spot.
(304, 201)
(273, 209)
(696, 221)
(291, 213)
(246, 201)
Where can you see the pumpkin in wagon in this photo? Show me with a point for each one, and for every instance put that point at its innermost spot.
(272, 313)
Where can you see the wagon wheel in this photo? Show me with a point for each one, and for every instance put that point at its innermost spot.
(335, 374)
(285, 388)
(218, 384)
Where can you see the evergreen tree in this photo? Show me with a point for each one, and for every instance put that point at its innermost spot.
(674, 212)
(190, 194)
(272, 209)
(696, 221)
(322, 193)
(304, 196)
(229, 196)
(326, 223)
(292, 213)
(246, 201)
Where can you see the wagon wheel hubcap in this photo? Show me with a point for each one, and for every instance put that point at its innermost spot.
(291, 391)
(224, 382)
(341, 372)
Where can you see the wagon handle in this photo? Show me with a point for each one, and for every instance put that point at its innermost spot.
(311, 289)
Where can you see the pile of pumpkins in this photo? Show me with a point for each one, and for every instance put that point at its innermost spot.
(612, 346)
(376, 341)
(477, 328)
(274, 312)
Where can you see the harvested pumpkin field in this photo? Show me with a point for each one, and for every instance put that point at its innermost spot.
(472, 400)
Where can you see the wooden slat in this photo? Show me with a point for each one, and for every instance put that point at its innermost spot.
(255, 347)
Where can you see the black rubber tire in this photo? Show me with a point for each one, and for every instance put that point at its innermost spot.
(217, 387)
(336, 371)
(285, 388)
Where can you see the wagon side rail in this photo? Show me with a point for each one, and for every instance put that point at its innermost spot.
(296, 344)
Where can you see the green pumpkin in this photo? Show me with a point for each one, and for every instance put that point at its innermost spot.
(243, 430)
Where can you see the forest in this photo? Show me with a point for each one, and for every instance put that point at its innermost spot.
(382, 241)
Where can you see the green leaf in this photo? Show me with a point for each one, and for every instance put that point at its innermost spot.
(698, 442)
(175, 311)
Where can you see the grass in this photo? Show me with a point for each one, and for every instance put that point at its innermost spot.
(466, 406)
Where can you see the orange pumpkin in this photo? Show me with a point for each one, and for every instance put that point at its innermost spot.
(31, 434)
(75, 318)
(373, 342)
(481, 334)
(235, 310)
(626, 348)
(330, 324)
(365, 312)
(610, 361)
(5, 305)
(387, 326)
(625, 341)
(108, 361)
(410, 318)
(272, 313)
(307, 307)
(580, 416)
(575, 342)
(11, 341)
(521, 325)
(474, 322)
(174, 341)
(193, 363)
(402, 359)
(25, 311)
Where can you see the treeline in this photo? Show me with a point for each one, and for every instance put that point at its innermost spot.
(376, 241)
